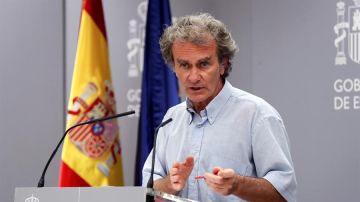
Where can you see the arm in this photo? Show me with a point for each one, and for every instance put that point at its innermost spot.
(176, 180)
(255, 189)
(226, 182)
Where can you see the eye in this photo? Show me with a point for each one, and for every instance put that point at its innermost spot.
(184, 65)
(204, 64)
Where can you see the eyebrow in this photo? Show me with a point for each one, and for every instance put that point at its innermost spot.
(181, 61)
(205, 59)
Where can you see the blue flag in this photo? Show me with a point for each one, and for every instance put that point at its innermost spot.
(159, 84)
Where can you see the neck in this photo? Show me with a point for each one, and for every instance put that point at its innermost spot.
(198, 107)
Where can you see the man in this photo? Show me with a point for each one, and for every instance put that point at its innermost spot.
(223, 144)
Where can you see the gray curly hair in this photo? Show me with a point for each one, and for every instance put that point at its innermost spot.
(195, 29)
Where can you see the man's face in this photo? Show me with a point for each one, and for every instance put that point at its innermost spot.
(199, 71)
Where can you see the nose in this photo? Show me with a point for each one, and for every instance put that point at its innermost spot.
(194, 75)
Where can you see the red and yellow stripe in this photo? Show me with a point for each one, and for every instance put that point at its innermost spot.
(91, 66)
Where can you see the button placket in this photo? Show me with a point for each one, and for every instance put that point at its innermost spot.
(198, 132)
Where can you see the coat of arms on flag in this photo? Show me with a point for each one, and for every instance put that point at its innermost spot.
(349, 29)
(93, 140)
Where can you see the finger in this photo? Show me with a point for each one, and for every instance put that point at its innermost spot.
(176, 164)
(209, 176)
(226, 173)
(189, 161)
(187, 166)
(223, 189)
(213, 179)
(216, 170)
(175, 178)
(215, 187)
(174, 171)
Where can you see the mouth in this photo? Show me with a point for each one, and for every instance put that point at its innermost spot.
(195, 89)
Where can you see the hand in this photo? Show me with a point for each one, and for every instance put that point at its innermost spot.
(179, 173)
(223, 181)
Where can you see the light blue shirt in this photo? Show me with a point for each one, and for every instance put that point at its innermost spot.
(236, 130)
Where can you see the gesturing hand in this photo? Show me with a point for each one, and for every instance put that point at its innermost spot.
(223, 181)
(179, 173)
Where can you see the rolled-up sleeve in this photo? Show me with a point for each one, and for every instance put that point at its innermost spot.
(271, 153)
(160, 167)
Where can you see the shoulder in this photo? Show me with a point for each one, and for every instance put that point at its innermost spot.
(257, 105)
(177, 110)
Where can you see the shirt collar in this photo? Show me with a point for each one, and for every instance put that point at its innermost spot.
(190, 109)
(215, 105)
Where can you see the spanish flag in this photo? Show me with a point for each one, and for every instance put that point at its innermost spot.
(91, 154)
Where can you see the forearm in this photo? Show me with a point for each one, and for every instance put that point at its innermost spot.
(255, 189)
(164, 185)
